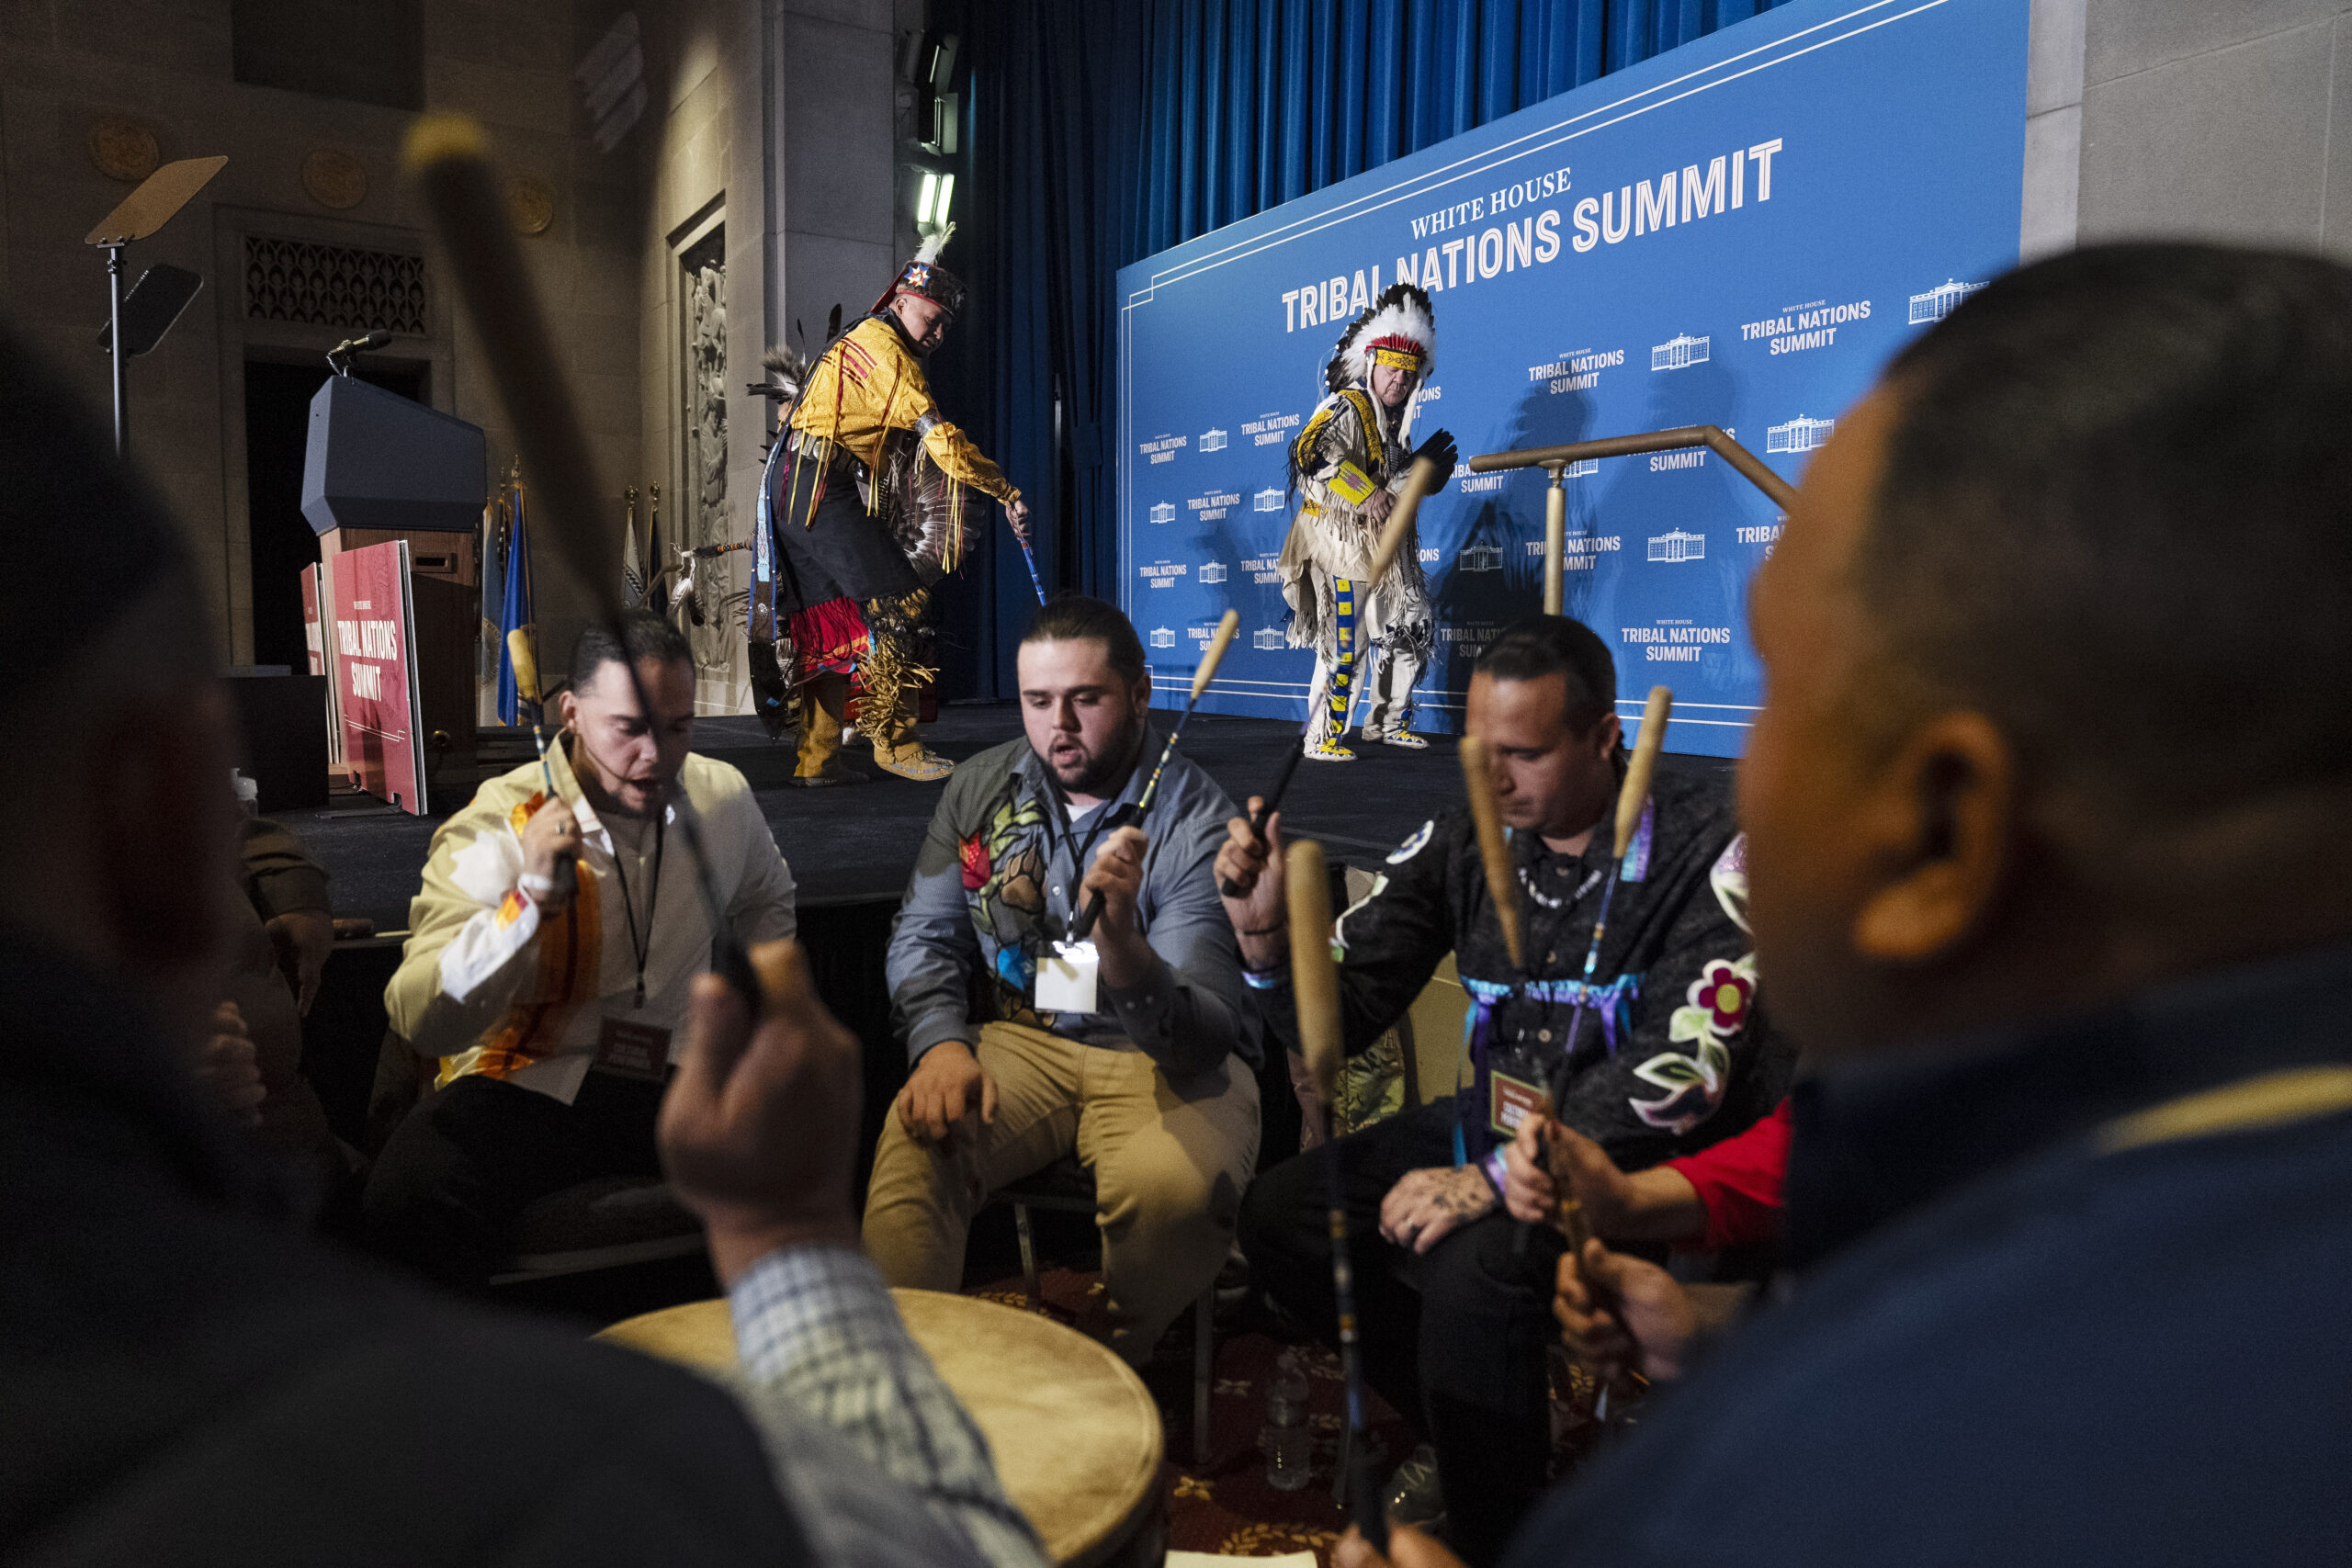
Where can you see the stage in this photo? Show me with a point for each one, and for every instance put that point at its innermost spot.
(850, 845)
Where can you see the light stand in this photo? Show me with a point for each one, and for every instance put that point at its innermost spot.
(122, 351)
(158, 199)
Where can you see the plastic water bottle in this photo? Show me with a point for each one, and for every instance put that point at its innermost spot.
(1285, 1439)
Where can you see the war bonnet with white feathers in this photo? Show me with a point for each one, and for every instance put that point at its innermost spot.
(1399, 329)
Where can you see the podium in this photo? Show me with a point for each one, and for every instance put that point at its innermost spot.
(381, 467)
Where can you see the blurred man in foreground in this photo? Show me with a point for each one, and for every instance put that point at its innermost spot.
(186, 1378)
(2066, 1200)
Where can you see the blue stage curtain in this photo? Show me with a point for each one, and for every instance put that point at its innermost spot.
(1099, 131)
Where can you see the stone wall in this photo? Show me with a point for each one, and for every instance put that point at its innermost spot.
(2189, 118)
(164, 67)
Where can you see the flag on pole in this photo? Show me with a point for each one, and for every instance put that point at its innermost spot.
(515, 611)
(632, 567)
(656, 563)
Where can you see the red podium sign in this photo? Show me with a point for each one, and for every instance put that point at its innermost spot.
(375, 623)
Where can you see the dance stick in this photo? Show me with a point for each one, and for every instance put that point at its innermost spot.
(1421, 479)
(1218, 643)
(1493, 853)
(448, 158)
(526, 659)
(1632, 795)
(1315, 981)
(1030, 555)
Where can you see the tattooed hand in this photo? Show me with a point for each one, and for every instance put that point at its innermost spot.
(1429, 1205)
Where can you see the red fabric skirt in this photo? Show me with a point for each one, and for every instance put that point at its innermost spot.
(827, 639)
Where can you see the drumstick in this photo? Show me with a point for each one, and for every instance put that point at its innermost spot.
(526, 658)
(1218, 643)
(1493, 853)
(1632, 795)
(447, 157)
(1420, 480)
(1315, 981)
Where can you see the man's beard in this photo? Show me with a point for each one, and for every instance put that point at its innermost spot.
(1106, 769)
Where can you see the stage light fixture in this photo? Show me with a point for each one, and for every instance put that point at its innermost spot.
(924, 200)
(946, 195)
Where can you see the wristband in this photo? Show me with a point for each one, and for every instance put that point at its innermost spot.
(538, 889)
(1273, 979)
(1494, 1169)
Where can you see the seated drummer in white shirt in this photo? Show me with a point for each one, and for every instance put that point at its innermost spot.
(555, 1003)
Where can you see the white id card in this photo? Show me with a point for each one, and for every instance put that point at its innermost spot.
(1065, 978)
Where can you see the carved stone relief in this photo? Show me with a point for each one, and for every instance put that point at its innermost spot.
(718, 640)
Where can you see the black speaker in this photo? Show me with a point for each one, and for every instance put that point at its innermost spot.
(380, 460)
(282, 723)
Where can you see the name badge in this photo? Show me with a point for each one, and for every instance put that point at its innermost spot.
(1512, 1100)
(633, 1050)
(1065, 978)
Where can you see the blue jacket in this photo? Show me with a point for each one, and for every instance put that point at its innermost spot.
(2034, 1320)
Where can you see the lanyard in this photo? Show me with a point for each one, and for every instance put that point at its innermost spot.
(641, 946)
(1104, 815)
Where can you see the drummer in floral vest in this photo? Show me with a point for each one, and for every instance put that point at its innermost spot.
(1671, 1058)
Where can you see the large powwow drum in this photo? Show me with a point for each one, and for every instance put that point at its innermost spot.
(1075, 1434)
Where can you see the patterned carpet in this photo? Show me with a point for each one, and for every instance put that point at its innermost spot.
(1229, 1507)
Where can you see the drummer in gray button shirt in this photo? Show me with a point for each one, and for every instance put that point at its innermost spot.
(1150, 1080)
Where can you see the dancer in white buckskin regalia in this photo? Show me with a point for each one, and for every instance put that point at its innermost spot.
(1348, 464)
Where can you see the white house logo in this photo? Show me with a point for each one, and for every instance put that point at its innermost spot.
(1213, 572)
(1678, 546)
(1479, 557)
(1939, 301)
(1163, 637)
(1266, 639)
(1580, 468)
(1164, 512)
(1267, 499)
(1800, 434)
(1681, 351)
(1212, 441)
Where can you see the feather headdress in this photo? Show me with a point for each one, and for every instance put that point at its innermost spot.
(1400, 328)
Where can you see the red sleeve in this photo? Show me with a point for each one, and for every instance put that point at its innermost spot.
(1739, 1181)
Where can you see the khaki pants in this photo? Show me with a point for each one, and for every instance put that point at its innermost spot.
(1170, 1162)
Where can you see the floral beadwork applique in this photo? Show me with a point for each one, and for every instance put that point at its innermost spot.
(1413, 845)
(1715, 1008)
(1728, 877)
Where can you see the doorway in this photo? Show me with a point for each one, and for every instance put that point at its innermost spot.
(277, 434)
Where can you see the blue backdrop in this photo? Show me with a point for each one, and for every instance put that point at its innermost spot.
(1099, 131)
(1737, 233)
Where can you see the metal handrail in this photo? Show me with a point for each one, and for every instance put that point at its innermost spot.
(1555, 461)
(1557, 458)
